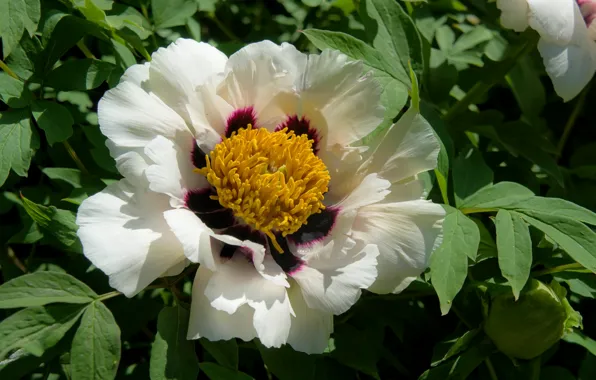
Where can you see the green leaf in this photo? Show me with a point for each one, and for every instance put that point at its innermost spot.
(68, 175)
(583, 284)
(169, 13)
(497, 196)
(22, 59)
(579, 338)
(129, 17)
(287, 364)
(95, 351)
(15, 143)
(172, 355)
(350, 351)
(471, 39)
(572, 236)
(15, 17)
(396, 35)
(54, 119)
(79, 74)
(527, 88)
(515, 249)
(60, 223)
(449, 263)
(224, 351)
(218, 372)
(536, 206)
(13, 92)
(470, 174)
(41, 288)
(91, 11)
(37, 328)
(62, 33)
(455, 347)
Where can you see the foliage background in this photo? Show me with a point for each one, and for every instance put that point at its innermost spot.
(505, 134)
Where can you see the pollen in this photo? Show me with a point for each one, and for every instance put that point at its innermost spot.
(273, 181)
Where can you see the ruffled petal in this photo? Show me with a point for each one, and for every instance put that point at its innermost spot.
(125, 235)
(349, 101)
(257, 73)
(171, 169)
(406, 234)
(332, 281)
(132, 117)
(409, 147)
(514, 14)
(208, 322)
(181, 75)
(310, 328)
(557, 21)
(194, 235)
(237, 283)
(570, 67)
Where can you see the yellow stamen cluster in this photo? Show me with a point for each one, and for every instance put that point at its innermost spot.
(272, 180)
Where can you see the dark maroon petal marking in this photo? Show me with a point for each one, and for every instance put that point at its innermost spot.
(317, 227)
(241, 232)
(301, 126)
(213, 214)
(198, 156)
(286, 260)
(227, 251)
(240, 119)
(218, 219)
(244, 232)
(199, 201)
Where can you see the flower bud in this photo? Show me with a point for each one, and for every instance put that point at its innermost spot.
(527, 327)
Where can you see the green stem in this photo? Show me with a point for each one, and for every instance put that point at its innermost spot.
(223, 28)
(482, 87)
(557, 269)
(571, 121)
(109, 295)
(81, 45)
(7, 70)
(75, 157)
(491, 369)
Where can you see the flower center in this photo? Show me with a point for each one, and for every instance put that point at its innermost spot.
(271, 180)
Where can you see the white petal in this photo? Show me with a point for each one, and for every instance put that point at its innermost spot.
(406, 234)
(332, 282)
(130, 162)
(171, 171)
(311, 328)
(273, 314)
(194, 235)
(176, 269)
(207, 322)
(131, 117)
(258, 72)
(125, 235)
(409, 147)
(182, 75)
(236, 283)
(570, 67)
(349, 101)
(514, 14)
(137, 74)
(372, 189)
(558, 21)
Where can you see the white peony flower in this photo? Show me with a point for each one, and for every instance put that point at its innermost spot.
(249, 166)
(567, 35)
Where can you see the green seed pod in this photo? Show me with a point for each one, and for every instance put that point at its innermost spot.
(527, 327)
